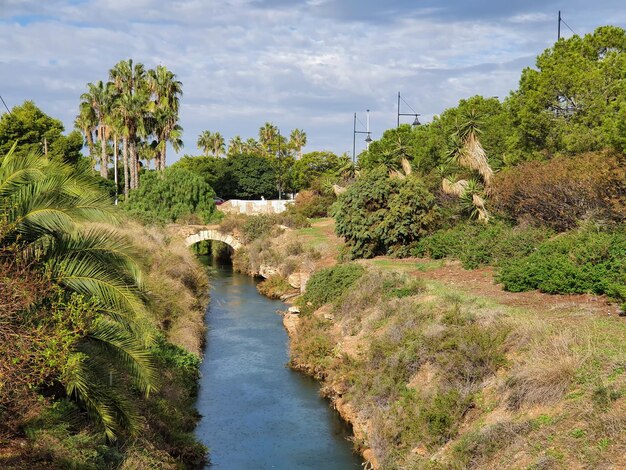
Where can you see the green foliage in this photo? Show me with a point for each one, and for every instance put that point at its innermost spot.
(481, 245)
(214, 170)
(574, 100)
(383, 215)
(253, 177)
(172, 195)
(312, 166)
(274, 286)
(582, 261)
(327, 285)
(30, 127)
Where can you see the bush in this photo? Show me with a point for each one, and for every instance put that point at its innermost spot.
(382, 215)
(328, 284)
(274, 286)
(312, 204)
(564, 190)
(582, 261)
(480, 245)
(172, 195)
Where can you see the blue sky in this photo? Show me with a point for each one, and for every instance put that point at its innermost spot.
(309, 64)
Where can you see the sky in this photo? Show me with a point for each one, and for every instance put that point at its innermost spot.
(308, 64)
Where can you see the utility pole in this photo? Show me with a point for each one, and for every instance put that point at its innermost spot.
(559, 27)
(354, 140)
(398, 124)
(368, 139)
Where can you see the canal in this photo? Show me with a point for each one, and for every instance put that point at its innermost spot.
(256, 412)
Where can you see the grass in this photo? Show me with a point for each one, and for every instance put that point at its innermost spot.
(470, 380)
(399, 265)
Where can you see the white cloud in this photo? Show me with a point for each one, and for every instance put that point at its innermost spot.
(242, 62)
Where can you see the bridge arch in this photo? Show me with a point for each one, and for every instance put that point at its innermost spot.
(213, 234)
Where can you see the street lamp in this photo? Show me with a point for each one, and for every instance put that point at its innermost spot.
(416, 122)
(368, 138)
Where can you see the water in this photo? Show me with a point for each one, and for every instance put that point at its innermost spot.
(257, 413)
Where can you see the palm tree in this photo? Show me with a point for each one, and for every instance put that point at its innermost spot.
(99, 98)
(267, 134)
(167, 92)
(217, 144)
(131, 107)
(236, 146)
(298, 140)
(45, 205)
(205, 142)
(87, 123)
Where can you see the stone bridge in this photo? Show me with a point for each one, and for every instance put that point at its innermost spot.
(197, 233)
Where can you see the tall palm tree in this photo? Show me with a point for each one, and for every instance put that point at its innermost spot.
(205, 142)
(45, 205)
(87, 123)
(131, 106)
(267, 134)
(166, 91)
(99, 98)
(298, 140)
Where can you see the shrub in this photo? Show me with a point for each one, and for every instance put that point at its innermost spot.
(312, 204)
(479, 245)
(274, 286)
(582, 261)
(172, 195)
(383, 215)
(564, 190)
(328, 284)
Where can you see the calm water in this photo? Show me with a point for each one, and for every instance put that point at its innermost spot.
(257, 413)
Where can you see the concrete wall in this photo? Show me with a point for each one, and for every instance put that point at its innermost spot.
(239, 206)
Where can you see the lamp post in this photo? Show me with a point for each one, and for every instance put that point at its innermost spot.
(368, 139)
(416, 122)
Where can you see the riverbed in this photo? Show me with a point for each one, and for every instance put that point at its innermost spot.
(256, 412)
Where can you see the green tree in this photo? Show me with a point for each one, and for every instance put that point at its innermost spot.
(35, 131)
(253, 177)
(573, 100)
(171, 195)
(215, 171)
(44, 205)
(313, 165)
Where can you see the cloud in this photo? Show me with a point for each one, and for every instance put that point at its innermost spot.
(309, 64)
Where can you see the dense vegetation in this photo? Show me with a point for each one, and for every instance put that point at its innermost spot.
(547, 159)
(173, 195)
(87, 365)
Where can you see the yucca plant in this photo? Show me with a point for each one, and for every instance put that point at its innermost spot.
(46, 208)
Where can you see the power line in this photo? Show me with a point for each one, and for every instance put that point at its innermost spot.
(5, 105)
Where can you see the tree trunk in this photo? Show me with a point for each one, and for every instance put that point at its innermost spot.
(125, 158)
(104, 160)
(115, 167)
(161, 159)
(134, 182)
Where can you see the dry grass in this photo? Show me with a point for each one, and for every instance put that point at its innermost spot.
(177, 284)
(545, 373)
